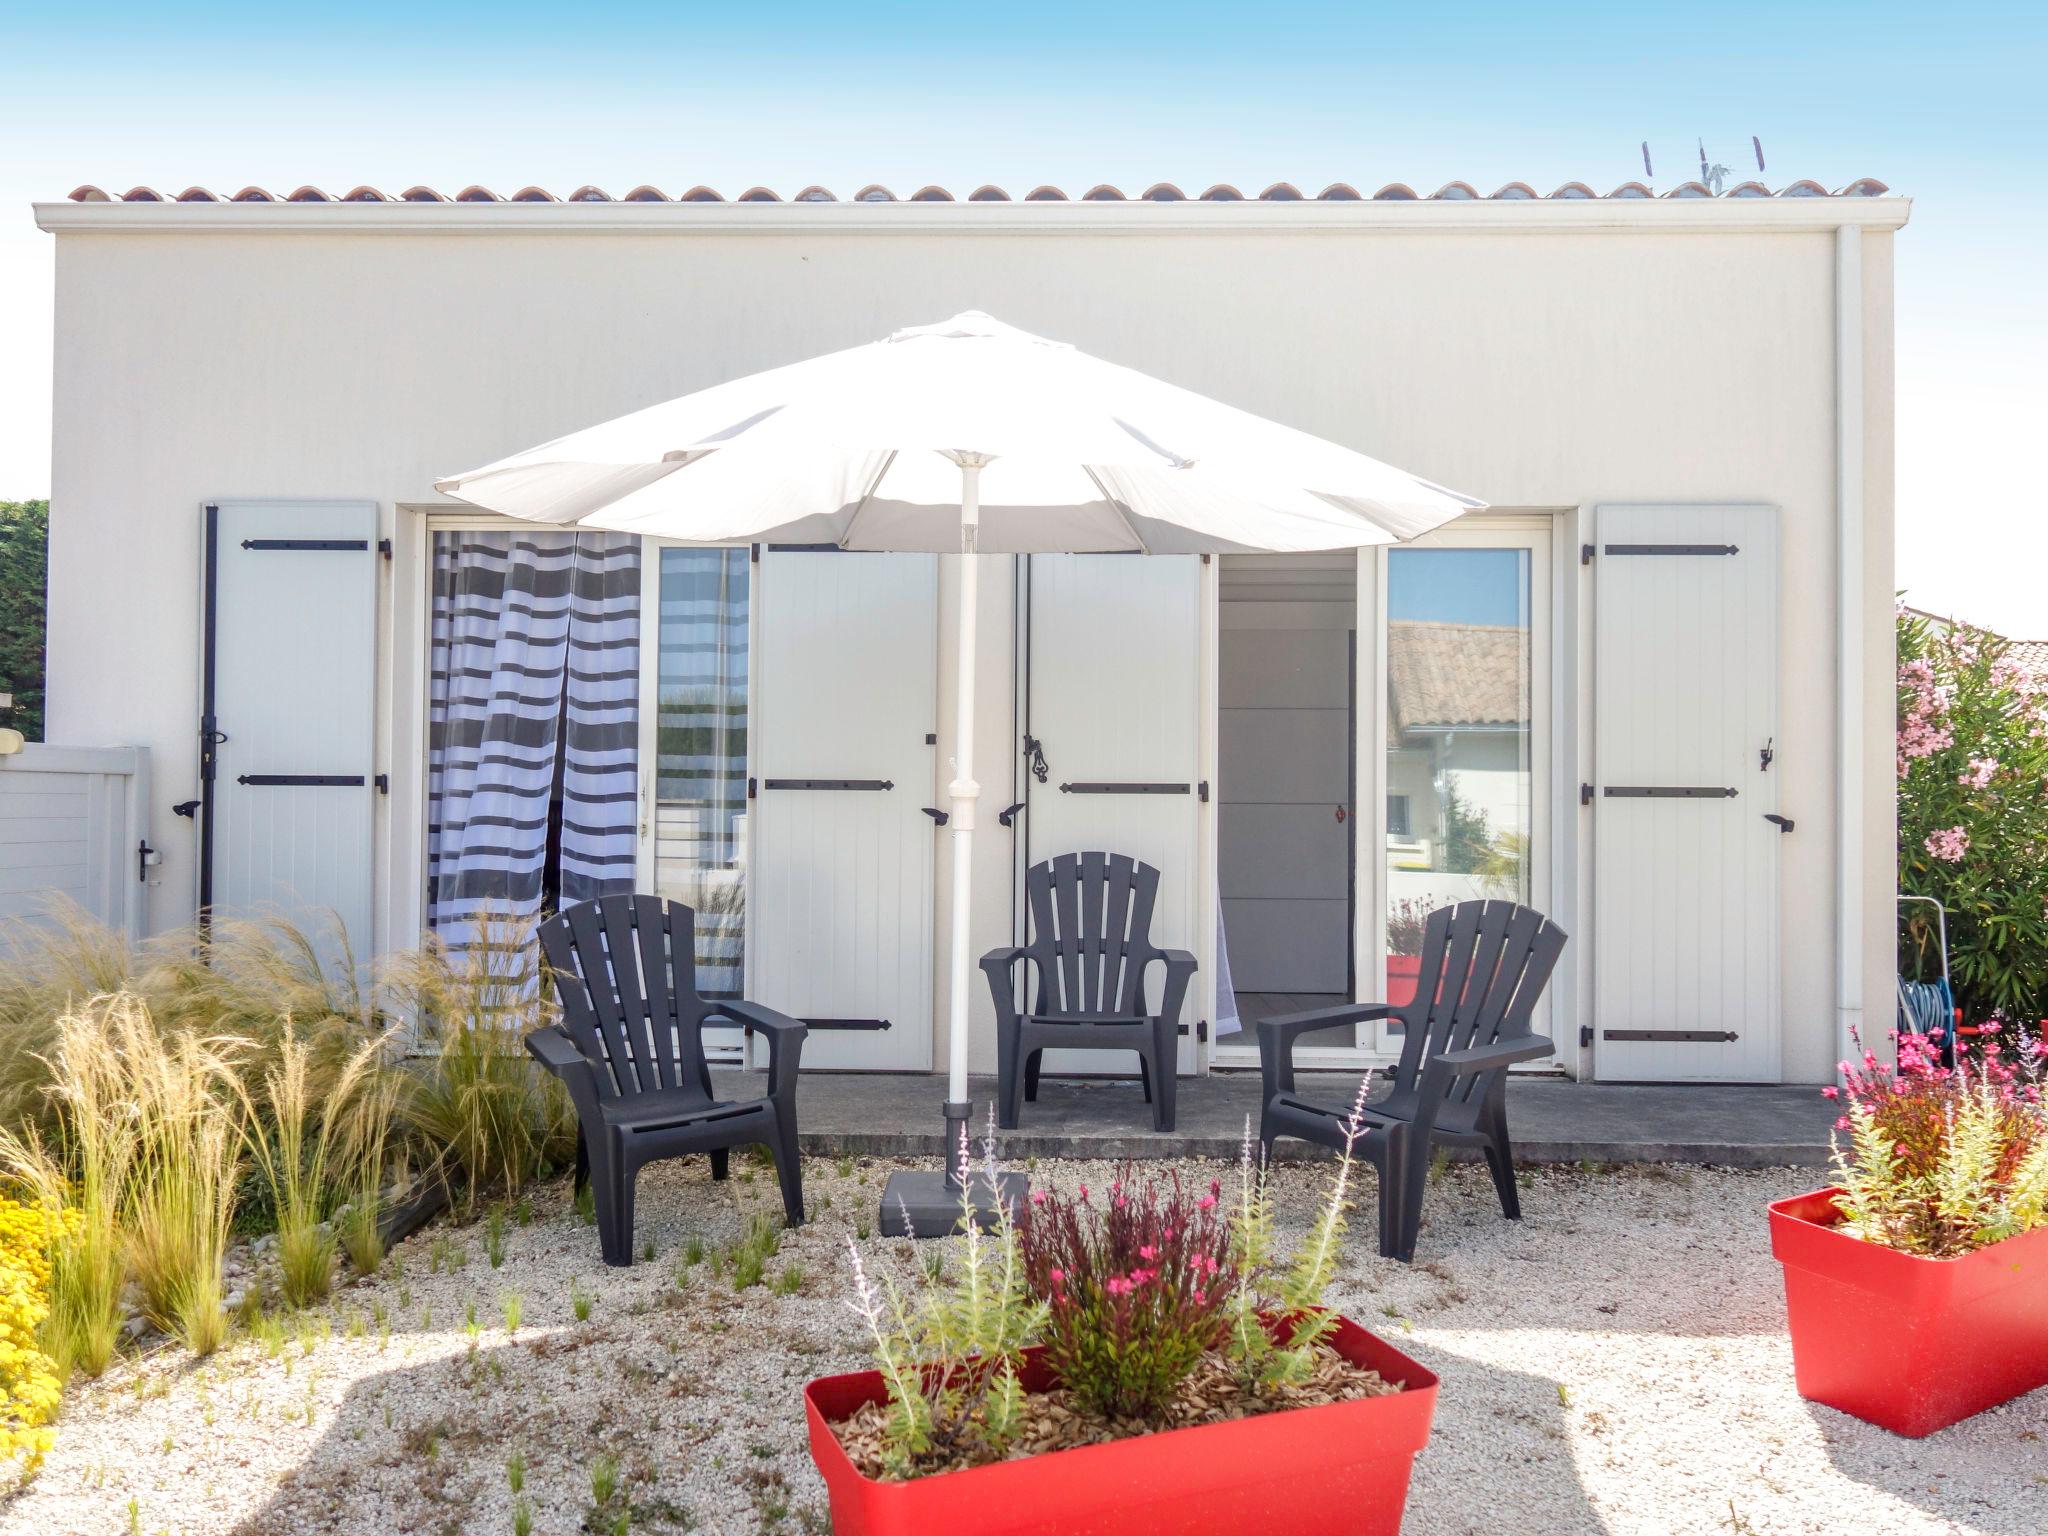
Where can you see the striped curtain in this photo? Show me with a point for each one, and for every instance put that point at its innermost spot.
(533, 700)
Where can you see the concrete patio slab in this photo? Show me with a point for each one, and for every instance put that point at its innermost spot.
(1553, 1120)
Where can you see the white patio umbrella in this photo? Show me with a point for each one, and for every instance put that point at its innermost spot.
(967, 437)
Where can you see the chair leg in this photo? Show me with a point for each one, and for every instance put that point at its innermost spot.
(1009, 1075)
(1388, 1169)
(1500, 1158)
(789, 1172)
(721, 1162)
(1413, 1179)
(1031, 1064)
(613, 1179)
(1145, 1076)
(582, 1162)
(1165, 1047)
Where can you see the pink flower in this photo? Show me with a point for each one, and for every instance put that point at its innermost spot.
(1206, 1203)
(1201, 1297)
(1058, 1277)
(1148, 1252)
(1084, 1191)
(1118, 1286)
(1831, 1092)
(1978, 774)
(1948, 844)
(1038, 1197)
(1842, 1124)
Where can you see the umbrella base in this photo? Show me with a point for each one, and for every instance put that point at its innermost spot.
(919, 1204)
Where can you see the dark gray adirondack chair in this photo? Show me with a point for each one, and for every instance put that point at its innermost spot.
(631, 1051)
(1091, 946)
(1484, 964)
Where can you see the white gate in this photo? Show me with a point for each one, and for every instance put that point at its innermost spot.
(1113, 700)
(842, 850)
(288, 727)
(74, 828)
(1685, 959)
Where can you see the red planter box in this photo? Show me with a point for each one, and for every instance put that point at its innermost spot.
(1910, 1343)
(1337, 1470)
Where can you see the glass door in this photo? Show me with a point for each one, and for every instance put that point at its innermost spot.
(695, 672)
(1464, 728)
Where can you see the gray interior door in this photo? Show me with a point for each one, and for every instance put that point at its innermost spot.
(1284, 766)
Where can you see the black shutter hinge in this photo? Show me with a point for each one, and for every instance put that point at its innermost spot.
(753, 788)
(144, 857)
(1766, 754)
(383, 783)
(384, 549)
(1585, 554)
(1782, 823)
(1203, 791)
(753, 554)
(1585, 1036)
(1008, 817)
(1585, 794)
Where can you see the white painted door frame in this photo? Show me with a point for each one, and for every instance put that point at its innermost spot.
(1372, 1043)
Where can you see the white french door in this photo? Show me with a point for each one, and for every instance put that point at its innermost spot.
(843, 748)
(1452, 755)
(1112, 698)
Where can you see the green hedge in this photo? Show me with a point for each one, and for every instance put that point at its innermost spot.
(24, 576)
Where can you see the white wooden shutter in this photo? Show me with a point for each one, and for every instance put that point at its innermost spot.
(74, 828)
(1115, 703)
(844, 709)
(1685, 961)
(289, 784)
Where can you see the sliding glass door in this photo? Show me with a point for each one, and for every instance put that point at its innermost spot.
(1464, 737)
(695, 676)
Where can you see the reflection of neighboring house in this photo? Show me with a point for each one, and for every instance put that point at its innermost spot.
(1457, 723)
(2030, 655)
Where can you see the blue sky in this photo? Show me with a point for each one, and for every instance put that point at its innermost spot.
(1943, 103)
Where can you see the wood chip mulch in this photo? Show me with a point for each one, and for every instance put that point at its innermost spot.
(1052, 1421)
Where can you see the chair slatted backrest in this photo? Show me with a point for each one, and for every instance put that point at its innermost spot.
(1091, 933)
(625, 968)
(1484, 964)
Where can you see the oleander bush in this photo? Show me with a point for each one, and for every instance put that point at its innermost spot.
(1972, 756)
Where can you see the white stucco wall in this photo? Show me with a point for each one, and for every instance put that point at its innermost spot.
(1551, 367)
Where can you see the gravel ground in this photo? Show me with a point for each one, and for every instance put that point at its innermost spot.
(1615, 1363)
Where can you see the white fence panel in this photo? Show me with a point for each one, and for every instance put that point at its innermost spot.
(74, 827)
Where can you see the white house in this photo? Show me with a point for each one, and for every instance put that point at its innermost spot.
(1648, 691)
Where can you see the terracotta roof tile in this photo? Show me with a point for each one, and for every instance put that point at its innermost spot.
(1447, 676)
(1158, 192)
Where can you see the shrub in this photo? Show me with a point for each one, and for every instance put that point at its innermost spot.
(29, 1380)
(303, 1152)
(472, 1095)
(1943, 1160)
(1135, 1287)
(80, 1175)
(1972, 761)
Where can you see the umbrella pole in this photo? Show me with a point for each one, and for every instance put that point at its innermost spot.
(924, 1204)
(964, 792)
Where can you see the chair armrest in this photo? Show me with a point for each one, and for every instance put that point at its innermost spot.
(1277, 1037)
(1000, 967)
(1502, 1053)
(1180, 969)
(785, 1042)
(997, 959)
(554, 1050)
(1284, 1029)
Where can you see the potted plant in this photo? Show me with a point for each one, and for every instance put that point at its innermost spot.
(1405, 922)
(1136, 1359)
(1916, 1289)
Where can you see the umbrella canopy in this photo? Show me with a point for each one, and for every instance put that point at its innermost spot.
(861, 449)
(966, 437)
